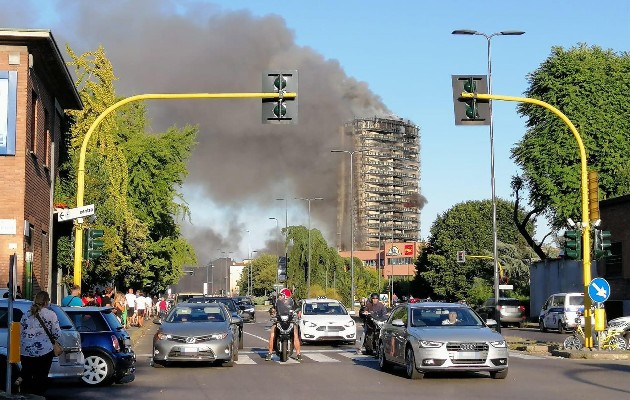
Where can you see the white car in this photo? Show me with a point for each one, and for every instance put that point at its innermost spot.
(325, 319)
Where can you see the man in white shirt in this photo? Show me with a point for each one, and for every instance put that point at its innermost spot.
(149, 306)
(131, 307)
(141, 306)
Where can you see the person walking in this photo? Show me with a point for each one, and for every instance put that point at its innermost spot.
(131, 304)
(141, 306)
(40, 330)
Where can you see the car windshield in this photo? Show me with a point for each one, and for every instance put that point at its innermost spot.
(194, 313)
(322, 308)
(443, 316)
(576, 300)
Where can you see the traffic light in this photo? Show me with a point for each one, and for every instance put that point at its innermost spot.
(281, 110)
(470, 111)
(282, 269)
(572, 244)
(601, 244)
(593, 196)
(93, 244)
(461, 256)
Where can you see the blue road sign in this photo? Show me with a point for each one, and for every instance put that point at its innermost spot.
(599, 290)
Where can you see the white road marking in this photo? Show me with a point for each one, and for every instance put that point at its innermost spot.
(257, 337)
(244, 360)
(318, 357)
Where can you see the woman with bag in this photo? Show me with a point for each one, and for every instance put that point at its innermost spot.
(40, 330)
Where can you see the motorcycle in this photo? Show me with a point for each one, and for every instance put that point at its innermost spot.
(371, 333)
(283, 343)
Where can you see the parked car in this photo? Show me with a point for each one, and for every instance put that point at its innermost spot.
(184, 296)
(196, 332)
(622, 322)
(437, 337)
(109, 356)
(69, 365)
(511, 311)
(326, 320)
(246, 308)
(230, 304)
(560, 312)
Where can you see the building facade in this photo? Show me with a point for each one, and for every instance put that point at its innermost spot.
(386, 183)
(35, 89)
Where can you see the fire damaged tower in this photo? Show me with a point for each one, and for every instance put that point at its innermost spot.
(386, 183)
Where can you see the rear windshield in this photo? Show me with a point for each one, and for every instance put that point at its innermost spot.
(576, 300)
(509, 302)
(89, 321)
(64, 321)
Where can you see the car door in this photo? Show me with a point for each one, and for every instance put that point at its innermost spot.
(386, 336)
(544, 312)
(398, 338)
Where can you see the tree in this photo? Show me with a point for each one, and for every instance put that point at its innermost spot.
(589, 85)
(264, 270)
(132, 178)
(468, 226)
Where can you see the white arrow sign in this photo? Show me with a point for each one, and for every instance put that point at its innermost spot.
(600, 291)
(73, 213)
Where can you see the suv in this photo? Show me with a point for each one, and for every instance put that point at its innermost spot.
(106, 344)
(68, 365)
(247, 310)
(230, 304)
(512, 312)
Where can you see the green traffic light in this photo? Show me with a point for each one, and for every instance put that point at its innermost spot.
(280, 82)
(471, 109)
(470, 86)
(572, 244)
(280, 110)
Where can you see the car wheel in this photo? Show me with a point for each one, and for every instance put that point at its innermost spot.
(410, 365)
(617, 343)
(572, 343)
(541, 326)
(383, 364)
(98, 370)
(561, 328)
(499, 374)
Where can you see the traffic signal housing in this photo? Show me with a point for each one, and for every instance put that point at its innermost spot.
(281, 110)
(470, 111)
(282, 269)
(601, 244)
(593, 195)
(572, 244)
(93, 243)
(461, 256)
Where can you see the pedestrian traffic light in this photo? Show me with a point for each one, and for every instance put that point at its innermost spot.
(572, 244)
(461, 256)
(470, 111)
(92, 243)
(601, 244)
(282, 110)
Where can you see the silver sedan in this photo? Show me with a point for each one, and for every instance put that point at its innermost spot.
(196, 332)
(430, 337)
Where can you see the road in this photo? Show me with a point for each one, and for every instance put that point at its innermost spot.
(339, 372)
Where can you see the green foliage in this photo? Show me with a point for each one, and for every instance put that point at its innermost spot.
(132, 178)
(590, 86)
(264, 270)
(468, 226)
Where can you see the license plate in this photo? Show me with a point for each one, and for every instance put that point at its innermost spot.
(189, 350)
(467, 355)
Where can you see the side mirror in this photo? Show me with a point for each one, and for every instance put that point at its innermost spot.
(157, 321)
(491, 323)
(352, 313)
(398, 323)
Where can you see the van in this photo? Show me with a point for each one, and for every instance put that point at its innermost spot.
(560, 312)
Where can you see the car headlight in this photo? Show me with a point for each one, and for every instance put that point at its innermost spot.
(162, 336)
(350, 324)
(430, 343)
(498, 343)
(218, 336)
(309, 324)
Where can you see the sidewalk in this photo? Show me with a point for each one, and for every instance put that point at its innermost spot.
(137, 333)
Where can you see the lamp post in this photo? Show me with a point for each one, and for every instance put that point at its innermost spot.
(227, 271)
(378, 260)
(212, 279)
(308, 261)
(494, 200)
(351, 220)
(251, 272)
(277, 252)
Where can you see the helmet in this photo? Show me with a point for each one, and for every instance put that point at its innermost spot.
(285, 292)
(374, 296)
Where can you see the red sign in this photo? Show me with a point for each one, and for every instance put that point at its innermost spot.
(409, 249)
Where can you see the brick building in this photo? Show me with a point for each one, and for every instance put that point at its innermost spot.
(35, 89)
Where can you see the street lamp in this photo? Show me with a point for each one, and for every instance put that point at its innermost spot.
(212, 279)
(277, 253)
(351, 221)
(308, 261)
(227, 271)
(494, 199)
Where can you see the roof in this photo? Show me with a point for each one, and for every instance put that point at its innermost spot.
(427, 304)
(48, 63)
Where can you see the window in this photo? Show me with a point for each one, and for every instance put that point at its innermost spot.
(32, 133)
(8, 111)
(47, 139)
(4, 316)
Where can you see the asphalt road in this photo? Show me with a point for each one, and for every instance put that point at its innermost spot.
(338, 372)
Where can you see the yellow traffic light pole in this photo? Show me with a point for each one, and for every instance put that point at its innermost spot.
(78, 243)
(586, 237)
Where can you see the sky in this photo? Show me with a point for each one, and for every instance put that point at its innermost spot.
(356, 59)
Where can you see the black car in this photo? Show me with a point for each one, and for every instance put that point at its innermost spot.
(246, 307)
(106, 345)
(232, 307)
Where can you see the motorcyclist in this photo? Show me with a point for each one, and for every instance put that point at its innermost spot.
(378, 311)
(284, 306)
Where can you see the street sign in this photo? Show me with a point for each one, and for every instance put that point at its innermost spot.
(73, 213)
(506, 287)
(599, 290)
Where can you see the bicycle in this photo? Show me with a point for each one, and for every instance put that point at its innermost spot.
(610, 339)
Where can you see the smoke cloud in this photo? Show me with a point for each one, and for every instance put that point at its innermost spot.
(159, 46)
